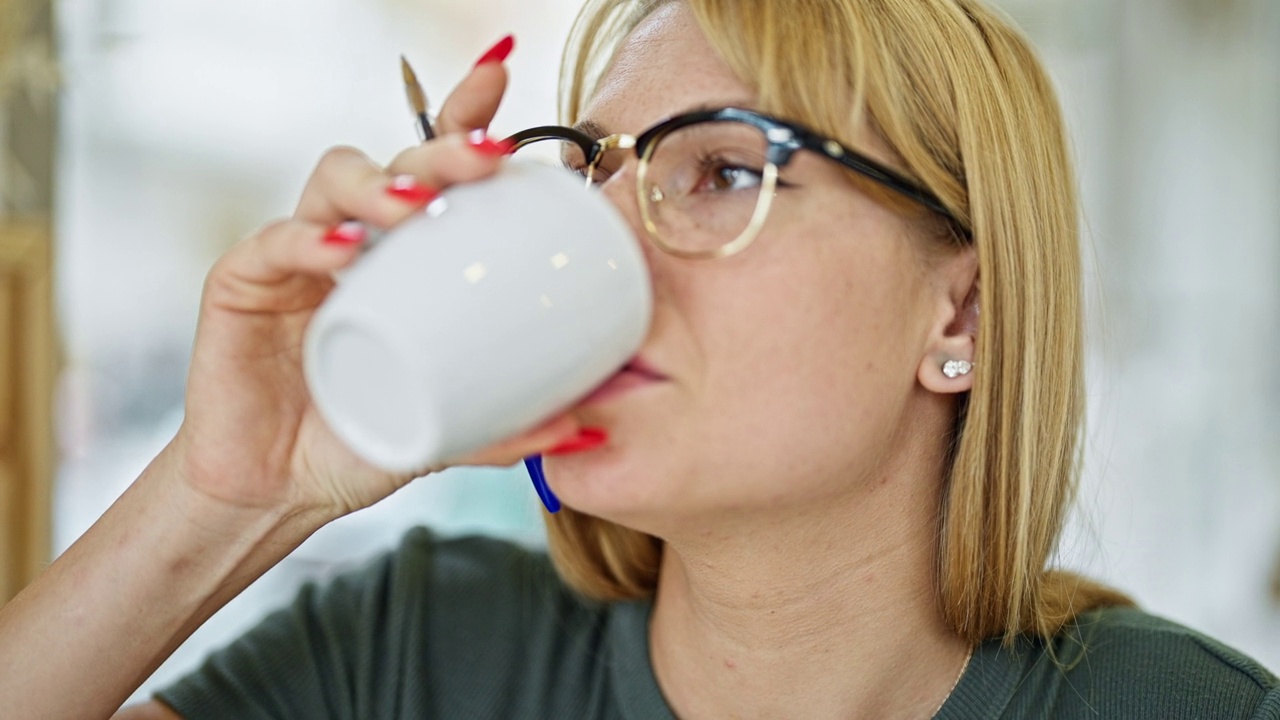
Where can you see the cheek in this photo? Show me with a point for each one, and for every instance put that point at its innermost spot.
(793, 377)
(814, 347)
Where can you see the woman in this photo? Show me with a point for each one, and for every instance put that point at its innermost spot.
(831, 490)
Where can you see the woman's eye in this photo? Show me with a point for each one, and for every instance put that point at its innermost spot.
(575, 168)
(738, 178)
(598, 175)
(724, 176)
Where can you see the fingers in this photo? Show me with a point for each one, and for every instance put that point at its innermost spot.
(285, 266)
(348, 192)
(450, 160)
(475, 101)
(550, 434)
(287, 247)
(347, 185)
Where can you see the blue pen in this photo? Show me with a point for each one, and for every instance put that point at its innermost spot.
(533, 464)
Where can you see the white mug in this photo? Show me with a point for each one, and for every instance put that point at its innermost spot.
(504, 303)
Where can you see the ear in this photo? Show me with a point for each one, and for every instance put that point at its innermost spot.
(953, 334)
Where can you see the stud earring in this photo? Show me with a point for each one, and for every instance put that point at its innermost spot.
(955, 368)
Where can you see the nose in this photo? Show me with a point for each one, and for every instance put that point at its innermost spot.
(620, 190)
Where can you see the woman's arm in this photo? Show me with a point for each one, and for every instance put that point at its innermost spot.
(97, 623)
(151, 710)
(253, 470)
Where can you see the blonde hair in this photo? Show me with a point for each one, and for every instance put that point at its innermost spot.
(955, 91)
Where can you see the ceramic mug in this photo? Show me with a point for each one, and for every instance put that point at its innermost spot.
(501, 305)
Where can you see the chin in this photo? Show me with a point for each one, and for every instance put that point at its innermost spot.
(608, 484)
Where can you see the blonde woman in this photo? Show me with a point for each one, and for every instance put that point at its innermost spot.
(829, 488)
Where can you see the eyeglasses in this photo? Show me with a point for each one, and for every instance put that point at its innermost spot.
(706, 180)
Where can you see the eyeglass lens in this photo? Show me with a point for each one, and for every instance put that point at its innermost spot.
(702, 182)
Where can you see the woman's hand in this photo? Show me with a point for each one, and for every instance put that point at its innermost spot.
(252, 471)
(252, 436)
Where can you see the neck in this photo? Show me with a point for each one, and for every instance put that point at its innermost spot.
(825, 613)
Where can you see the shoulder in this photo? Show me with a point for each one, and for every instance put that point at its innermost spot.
(495, 621)
(485, 595)
(475, 584)
(1161, 649)
(477, 576)
(468, 559)
(465, 627)
(1122, 662)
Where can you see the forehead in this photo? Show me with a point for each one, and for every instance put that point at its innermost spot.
(664, 67)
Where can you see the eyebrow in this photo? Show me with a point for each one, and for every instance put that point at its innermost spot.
(595, 130)
(591, 129)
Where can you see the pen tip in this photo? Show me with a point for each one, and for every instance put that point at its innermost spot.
(413, 89)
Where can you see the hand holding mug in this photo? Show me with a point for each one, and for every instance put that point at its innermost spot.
(252, 436)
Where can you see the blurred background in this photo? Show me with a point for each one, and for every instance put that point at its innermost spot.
(184, 125)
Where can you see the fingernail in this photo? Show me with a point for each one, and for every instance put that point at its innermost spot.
(406, 188)
(486, 145)
(499, 52)
(588, 439)
(348, 233)
(533, 464)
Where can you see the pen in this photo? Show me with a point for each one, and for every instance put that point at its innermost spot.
(533, 464)
(417, 100)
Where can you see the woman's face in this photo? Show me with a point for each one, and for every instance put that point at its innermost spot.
(789, 370)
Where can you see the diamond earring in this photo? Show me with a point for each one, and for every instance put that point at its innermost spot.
(955, 368)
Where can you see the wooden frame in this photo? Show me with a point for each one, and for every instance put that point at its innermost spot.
(28, 367)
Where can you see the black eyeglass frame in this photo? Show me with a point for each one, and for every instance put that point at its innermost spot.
(784, 138)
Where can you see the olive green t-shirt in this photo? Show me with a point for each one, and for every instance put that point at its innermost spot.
(481, 628)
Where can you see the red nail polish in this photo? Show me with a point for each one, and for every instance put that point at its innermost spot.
(348, 233)
(499, 52)
(588, 439)
(486, 145)
(405, 188)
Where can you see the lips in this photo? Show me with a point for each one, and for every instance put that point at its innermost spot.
(634, 375)
(639, 366)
